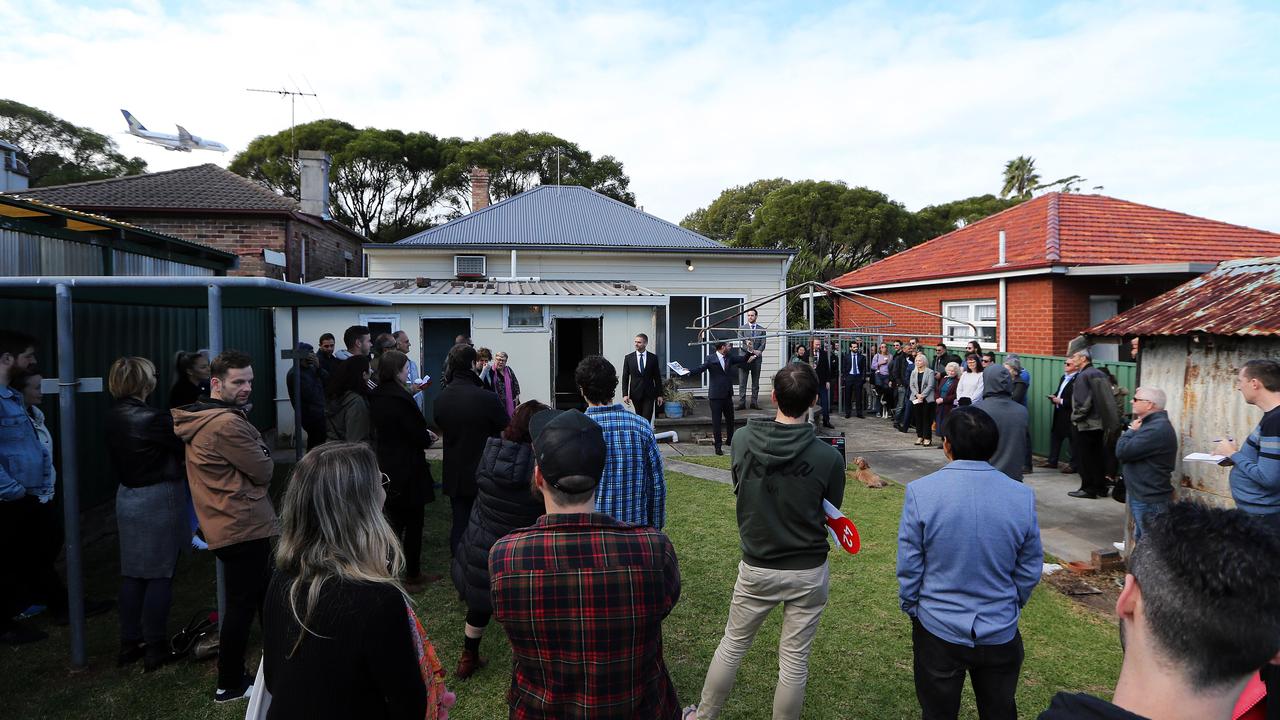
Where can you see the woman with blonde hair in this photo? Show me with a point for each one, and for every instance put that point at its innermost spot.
(339, 637)
(151, 510)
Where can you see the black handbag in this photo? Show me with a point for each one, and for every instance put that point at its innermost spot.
(1118, 492)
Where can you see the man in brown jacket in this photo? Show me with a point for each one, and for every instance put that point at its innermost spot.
(229, 469)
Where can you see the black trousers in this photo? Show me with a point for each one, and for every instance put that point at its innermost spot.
(246, 571)
(721, 408)
(1059, 433)
(940, 668)
(923, 414)
(406, 522)
(461, 507)
(851, 396)
(315, 433)
(644, 408)
(1091, 447)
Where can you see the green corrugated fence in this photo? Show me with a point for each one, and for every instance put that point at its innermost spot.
(104, 332)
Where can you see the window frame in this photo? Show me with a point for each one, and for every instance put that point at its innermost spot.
(508, 327)
(972, 305)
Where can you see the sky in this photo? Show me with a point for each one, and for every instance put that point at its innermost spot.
(1172, 104)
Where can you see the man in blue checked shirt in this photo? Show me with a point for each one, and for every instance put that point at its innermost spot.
(633, 489)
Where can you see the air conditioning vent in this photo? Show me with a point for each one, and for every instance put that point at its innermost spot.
(469, 266)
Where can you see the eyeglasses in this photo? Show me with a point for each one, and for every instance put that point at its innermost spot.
(385, 479)
(986, 361)
(1147, 400)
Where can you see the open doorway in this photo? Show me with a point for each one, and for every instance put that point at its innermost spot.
(438, 335)
(571, 340)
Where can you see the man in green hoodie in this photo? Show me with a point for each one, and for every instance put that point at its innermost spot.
(781, 474)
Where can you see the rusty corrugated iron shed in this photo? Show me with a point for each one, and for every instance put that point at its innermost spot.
(1239, 297)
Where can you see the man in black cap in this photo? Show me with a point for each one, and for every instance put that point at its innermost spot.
(570, 589)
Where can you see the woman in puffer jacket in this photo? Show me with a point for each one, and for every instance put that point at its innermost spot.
(503, 503)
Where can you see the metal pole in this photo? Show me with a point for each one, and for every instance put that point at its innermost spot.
(215, 349)
(67, 385)
(810, 341)
(297, 389)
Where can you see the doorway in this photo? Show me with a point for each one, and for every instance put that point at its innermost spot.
(438, 335)
(571, 340)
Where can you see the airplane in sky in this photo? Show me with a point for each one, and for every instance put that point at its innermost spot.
(182, 142)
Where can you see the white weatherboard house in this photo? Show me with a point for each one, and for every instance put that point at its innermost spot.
(549, 276)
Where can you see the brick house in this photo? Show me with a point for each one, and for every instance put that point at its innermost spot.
(272, 235)
(1034, 276)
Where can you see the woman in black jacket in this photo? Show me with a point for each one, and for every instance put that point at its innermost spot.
(151, 505)
(401, 436)
(503, 504)
(191, 378)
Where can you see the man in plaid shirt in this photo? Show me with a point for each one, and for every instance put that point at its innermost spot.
(633, 489)
(582, 596)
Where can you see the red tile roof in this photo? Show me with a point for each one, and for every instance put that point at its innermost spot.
(1068, 229)
(198, 188)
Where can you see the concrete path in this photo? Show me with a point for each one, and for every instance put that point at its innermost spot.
(1070, 528)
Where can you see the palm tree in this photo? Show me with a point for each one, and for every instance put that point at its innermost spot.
(1020, 177)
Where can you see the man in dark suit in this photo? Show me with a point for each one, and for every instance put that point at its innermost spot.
(641, 378)
(720, 370)
(942, 356)
(853, 375)
(821, 359)
(1061, 427)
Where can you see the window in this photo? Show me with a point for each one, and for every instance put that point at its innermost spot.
(981, 313)
(526, 318)
(379, 324)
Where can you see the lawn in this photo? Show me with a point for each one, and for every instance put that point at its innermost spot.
(860, 666)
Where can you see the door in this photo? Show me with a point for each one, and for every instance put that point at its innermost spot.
(571, 340)
(438, 335)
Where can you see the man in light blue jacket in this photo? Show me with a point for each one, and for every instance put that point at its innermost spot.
(969, 556)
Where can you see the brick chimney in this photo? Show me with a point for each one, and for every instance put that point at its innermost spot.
(479, 188)
(315, 183)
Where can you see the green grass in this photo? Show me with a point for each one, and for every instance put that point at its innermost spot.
(860, 666)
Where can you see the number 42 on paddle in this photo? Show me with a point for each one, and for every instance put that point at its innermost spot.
(842, 529)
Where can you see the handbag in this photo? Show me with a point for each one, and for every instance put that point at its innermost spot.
(260, 698)
(1118, 492)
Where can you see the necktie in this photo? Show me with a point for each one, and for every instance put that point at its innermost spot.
(640, 359)
(722, 367)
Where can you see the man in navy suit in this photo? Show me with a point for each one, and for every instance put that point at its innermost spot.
(719, 366)
(821, 359)
(854, 369)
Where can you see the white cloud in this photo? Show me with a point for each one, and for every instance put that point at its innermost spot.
(1137, 97)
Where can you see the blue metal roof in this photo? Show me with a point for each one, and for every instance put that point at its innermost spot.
(562, 216)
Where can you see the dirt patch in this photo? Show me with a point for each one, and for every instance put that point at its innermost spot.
(1097, 591)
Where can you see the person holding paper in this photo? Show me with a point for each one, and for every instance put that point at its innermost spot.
(719, 366)
(781, 474)
(1147, 451)
(642, 378)
(1255, 472)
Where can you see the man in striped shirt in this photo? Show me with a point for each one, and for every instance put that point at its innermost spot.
(633, 489)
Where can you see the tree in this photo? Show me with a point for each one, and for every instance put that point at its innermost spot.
(58, 151)
(935, 220)
(384, 183)
(729, 216)
(1020, 177)
(522, 160)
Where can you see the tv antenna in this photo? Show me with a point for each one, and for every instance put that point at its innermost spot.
(293, 102)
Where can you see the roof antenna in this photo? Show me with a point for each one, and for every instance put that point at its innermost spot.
(293, 101)
(557, 171)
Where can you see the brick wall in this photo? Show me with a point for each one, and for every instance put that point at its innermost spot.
(248, 235)
(1045, 312)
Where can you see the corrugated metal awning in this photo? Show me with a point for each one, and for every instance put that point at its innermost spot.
(1239, 297)
(427, 290)
(180, 291)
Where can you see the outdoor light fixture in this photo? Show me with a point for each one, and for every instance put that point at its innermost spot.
(688, 265)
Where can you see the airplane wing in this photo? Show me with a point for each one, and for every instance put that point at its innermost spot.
(185, 138)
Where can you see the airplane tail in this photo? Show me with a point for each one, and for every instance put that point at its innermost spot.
(133, 121)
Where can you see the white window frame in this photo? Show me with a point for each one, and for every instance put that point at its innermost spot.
(506, 319)
(366, 318)
(964, 329)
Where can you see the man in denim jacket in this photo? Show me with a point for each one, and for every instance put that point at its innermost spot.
(24, 479)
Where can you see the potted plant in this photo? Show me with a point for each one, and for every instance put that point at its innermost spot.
(676, 402)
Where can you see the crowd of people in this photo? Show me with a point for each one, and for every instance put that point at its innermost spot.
(557, 522)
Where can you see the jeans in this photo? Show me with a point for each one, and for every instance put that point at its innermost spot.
(1142, 514)
(246, 571)
(824, 401)
(903, 419)
(940, 667)
(803, 595)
